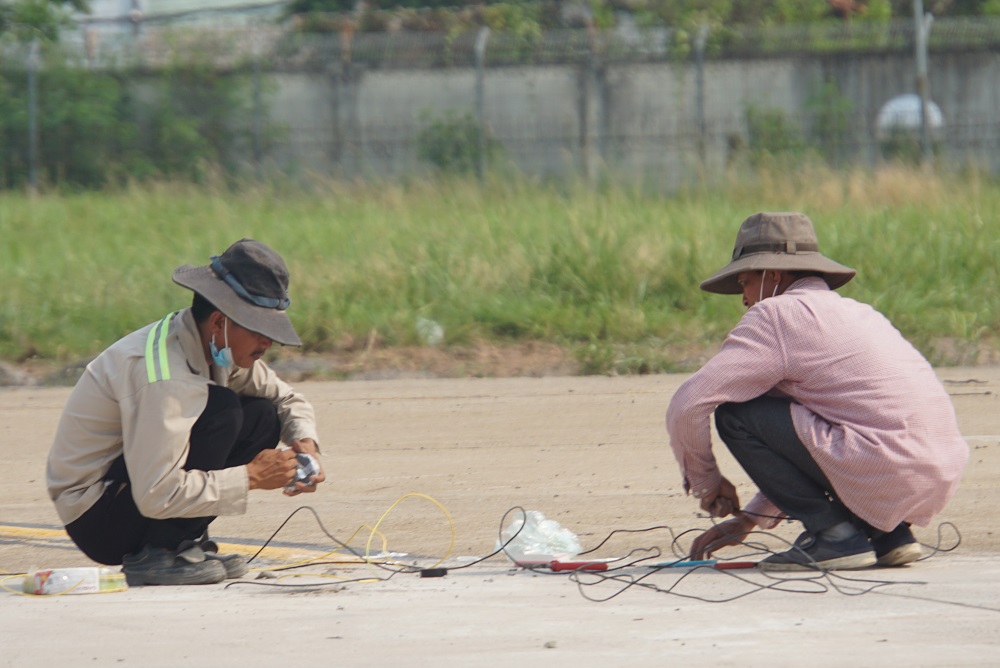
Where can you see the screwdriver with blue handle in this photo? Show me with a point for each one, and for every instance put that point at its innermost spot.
(709, 563)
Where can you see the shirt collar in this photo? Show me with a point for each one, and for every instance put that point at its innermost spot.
(809, 283)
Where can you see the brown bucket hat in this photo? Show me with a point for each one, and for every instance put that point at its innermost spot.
(781, 241)
(248, 283)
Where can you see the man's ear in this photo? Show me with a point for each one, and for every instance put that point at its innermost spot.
(215, 320)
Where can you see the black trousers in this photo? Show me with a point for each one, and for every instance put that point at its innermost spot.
(229, 432)
(762, 438)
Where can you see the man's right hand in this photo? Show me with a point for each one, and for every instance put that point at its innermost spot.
(724, 501)
(272, 469)
(723, 534)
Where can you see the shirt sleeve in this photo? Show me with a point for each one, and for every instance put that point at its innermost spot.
(298, 419)
(156, 430)
(765, 514)
(750, 363)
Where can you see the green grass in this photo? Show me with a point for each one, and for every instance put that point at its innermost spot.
(611, 273)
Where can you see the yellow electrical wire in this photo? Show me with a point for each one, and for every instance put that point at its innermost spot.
(373, 531)
(444, 510)
(385, 544)
(20, 591)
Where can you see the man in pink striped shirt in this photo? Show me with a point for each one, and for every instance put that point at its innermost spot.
(839, 421)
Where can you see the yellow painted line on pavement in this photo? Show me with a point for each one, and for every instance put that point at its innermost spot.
(270, 553)
(30, 532)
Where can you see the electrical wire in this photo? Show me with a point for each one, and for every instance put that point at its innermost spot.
(393, 569)
(813, 582)
(620, 573)
(444, 510)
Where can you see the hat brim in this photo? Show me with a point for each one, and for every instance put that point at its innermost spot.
(724, 281)
(272, 323)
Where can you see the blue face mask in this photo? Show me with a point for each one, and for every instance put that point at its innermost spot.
(221, 358)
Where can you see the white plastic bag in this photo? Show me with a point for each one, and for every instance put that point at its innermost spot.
(540, 541)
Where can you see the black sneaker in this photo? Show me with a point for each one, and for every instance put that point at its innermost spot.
(897, 548)
(236, 566)
(161, 566)
(813, 553)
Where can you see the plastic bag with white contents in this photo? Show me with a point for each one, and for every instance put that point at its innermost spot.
(539, 540)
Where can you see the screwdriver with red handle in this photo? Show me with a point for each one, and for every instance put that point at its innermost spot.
(579, 565)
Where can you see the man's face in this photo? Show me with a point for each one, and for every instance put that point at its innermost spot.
(750, 282)
(247, 346)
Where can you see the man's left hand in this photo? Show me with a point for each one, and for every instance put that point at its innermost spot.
(723, 534)
(309, 447)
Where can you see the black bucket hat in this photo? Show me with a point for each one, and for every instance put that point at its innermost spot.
(781, 241)
(248, 283)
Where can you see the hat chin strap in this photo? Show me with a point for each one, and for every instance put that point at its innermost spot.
(224, 357)
(774, 293)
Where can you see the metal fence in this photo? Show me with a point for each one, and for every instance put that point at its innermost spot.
(665, 106)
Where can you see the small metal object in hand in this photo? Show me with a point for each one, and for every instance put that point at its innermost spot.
(308, 467)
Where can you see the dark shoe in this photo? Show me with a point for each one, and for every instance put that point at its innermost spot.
(814, 553)
(897, 548)
(236, 566)
(160, 566)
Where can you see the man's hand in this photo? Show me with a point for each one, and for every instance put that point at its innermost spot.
(309, 447)
(723, 534)
(724, 501)
(272, 469)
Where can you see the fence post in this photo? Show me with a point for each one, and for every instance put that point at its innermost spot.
(347, 139)
(700, 39)
(258, 111)
(923, 27)
(481, 39)
(586, 78)
(583, 115)
(599, 72)
(34, 62)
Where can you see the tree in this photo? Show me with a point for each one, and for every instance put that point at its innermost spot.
(28, 19)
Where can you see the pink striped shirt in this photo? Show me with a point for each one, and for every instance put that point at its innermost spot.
(865, 403)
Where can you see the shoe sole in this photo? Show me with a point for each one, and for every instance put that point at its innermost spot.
(849, 563)
(195, 577)
(900, 556)
(235, 565)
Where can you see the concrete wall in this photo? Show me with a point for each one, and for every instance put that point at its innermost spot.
(636, 119)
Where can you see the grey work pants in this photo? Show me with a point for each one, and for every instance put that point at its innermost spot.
(762, 438)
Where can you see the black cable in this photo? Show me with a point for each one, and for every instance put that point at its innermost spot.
(820, 581)
(812, 582)
(392, 571)
(616, 531)
(503, 544)
(328, 535)
(306, 585)
(937, 548)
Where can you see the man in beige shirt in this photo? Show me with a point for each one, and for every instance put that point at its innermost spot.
(173, 424)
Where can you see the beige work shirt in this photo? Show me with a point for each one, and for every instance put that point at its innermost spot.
(141, 397)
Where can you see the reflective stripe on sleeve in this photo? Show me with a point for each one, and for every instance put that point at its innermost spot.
(156, 351)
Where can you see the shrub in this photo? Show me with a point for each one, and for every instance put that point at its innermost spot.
(84, 125)
(831, 117)
(452, 144)
(771, 135)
